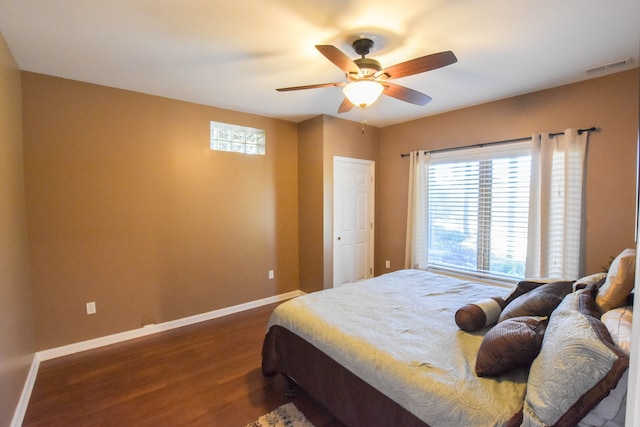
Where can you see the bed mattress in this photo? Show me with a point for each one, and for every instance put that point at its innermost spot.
(397, 333)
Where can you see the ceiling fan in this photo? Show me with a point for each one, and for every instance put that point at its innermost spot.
(367, 80)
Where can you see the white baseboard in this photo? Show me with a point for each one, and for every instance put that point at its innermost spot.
(21, 409)
(161, 327)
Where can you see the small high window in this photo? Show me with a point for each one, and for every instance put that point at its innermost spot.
(237, 139)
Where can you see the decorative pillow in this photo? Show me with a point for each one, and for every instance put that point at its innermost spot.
(577, 367)
(618, 322)
(593, 279)
(611, 410)
(522, 288)
(471, 317)
(586, 301)
(509, 345)
(540, 301)
(619, 282)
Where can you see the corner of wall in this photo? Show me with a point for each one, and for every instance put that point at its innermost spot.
(15, 293)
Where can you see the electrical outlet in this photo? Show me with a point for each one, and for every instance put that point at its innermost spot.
(91, 308)
(387, 264)
(271, 274)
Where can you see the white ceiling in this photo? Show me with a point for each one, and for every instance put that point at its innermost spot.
(234, 54)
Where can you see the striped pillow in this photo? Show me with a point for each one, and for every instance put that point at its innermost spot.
(511, 344)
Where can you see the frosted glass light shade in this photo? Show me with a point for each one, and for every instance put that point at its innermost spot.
(363, 92)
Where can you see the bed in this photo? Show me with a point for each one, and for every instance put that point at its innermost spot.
(390, 351)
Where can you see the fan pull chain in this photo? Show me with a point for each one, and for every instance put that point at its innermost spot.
(364, 121)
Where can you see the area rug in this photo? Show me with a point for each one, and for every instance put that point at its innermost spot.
(285, 416)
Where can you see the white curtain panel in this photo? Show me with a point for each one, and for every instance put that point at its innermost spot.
(416, 243)
(555, 206)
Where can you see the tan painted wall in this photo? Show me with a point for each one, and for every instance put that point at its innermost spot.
(610, 103)
(310, 203)
(321, 139)
(128, 207)
(16, 337)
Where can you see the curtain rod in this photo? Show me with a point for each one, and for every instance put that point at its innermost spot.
(506, 141)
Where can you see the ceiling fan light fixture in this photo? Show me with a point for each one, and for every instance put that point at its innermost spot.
(363, 92)
(367, 80)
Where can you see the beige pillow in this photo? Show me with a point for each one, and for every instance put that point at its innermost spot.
(619, 282)
(618, 321)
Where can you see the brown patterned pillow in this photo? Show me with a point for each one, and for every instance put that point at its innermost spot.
(471, 317)
(522, 287)
(509, 345)
(540, 301)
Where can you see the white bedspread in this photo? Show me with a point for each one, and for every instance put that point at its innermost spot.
(397, 332)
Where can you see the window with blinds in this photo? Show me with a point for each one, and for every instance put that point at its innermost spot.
(478, 210)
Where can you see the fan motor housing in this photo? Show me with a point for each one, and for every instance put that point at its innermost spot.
(368, 66)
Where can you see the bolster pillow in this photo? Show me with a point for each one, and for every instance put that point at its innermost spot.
(471, 317)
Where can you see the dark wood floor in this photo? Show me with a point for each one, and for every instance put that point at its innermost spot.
(206, 374)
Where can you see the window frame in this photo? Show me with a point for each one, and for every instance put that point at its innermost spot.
(232, 138)
(484, 156)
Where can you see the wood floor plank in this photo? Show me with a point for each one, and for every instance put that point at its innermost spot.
(207, 374)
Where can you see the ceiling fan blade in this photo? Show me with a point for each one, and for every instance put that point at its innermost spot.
(339, 58)
(286, 89)
(418, 65)
(405, 94)
(345, 106)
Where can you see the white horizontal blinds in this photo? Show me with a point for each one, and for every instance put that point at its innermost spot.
(453, 214)
(510, 215)
(478, 209)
